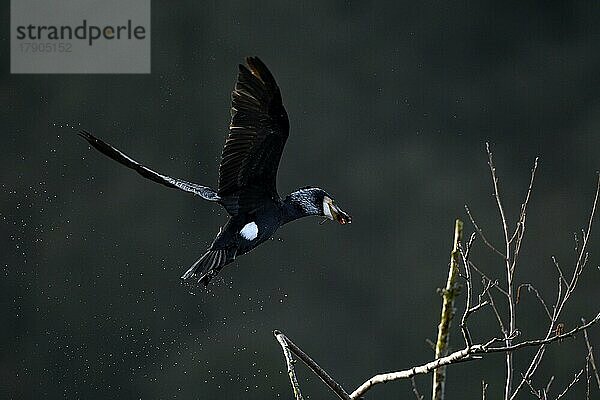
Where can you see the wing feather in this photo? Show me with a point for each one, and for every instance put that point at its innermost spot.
(257, 133)
(117, 155)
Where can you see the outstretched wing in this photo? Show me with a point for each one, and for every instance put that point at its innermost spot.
(257, 133)
(117, 155)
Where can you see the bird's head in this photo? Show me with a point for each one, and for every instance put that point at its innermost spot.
(328, 207)
(315, 201)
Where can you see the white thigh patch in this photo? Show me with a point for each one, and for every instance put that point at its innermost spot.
(249, 231)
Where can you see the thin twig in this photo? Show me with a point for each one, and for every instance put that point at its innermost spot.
(550, 381)
(574, 381)
(478, 306)
(591, 355)
(587, 380)
(482, 235)
(494, 282)
(533, 390)
(520, 230)
(469, 282)
(492, 341)
(532, 288)
(496, 313)
(415, 390)
(560, 273)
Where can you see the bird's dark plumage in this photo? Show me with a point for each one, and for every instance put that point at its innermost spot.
(247, 174)
(257, 133)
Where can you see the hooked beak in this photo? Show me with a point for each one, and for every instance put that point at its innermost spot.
(339, 215)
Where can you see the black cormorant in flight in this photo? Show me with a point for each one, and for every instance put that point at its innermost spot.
(247, 190)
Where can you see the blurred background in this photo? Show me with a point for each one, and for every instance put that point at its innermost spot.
(390, 106)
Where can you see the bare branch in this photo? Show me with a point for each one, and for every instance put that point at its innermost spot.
(496, 312)
(497, 197)
(290, 365)
(511, 255)
(591, 220)
(574, 381)
(591, 355)
(469, 282)
(447, 314)
(320, 372)
(456, 357)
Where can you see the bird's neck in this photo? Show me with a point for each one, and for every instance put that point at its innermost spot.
(299, 204)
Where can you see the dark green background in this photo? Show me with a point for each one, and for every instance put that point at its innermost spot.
(390, 106)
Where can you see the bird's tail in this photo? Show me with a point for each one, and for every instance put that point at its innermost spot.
(207, 266)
